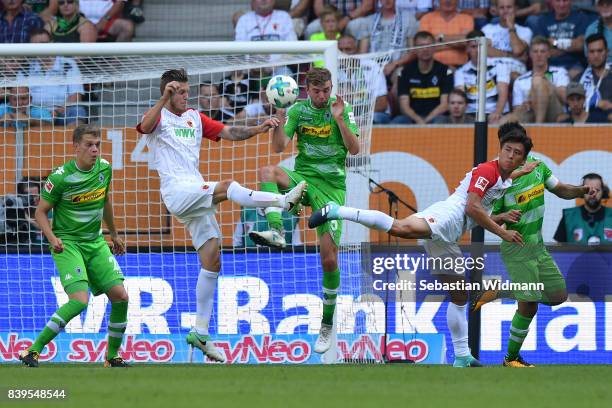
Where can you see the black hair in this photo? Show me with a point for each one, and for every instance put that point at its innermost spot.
(509, 127)
(178, 75)
(517, 136)
(596, 37)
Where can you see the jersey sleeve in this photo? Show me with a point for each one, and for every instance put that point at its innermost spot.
(52, 188)
(291, 125)
(483, 178)
(139, 125)
(349, 119)
(550, 181)
(211, 129)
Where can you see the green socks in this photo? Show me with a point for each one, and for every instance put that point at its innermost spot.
(518, 332)
(274, 217)
(116, 328)
(331, 282)
(58, 321)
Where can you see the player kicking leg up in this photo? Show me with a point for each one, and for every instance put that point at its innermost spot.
(327, 132)
(444, 222)
(81, 255)
(174, 136)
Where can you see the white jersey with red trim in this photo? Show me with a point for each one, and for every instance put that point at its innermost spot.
(174, 145)
(485, 181)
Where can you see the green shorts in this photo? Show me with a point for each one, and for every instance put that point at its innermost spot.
(90, 262)
(533, 264)
(316, 197)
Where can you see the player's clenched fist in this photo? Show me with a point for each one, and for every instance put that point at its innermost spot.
(171, 88)
(118, 245)
(57, 244)
(271, 123)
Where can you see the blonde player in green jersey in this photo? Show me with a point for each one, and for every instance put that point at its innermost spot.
(522, 209)
(326, 131)
(77, 191)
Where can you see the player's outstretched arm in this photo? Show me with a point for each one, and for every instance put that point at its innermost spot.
(42, 218)
(475, 210)
(152, 116)
(236, 133)
(350, 140)
(109, 220)
(568, 192)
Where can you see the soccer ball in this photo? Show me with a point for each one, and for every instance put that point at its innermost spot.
(282, 91)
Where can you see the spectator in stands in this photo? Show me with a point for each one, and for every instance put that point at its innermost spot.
(597, 78)
(254, 219)
(424, 86)
(212, 104)
(602, 26)
(575, 104)
(18, 113)
(478, 9)
(457, 104)
(264, 23)
(236, 89)
(17, 221)
(539, 95)
(299, 11)
(70, 25)
(497, 82)
(133, 11)
(389, 29)
(107, 16)
(447, 24)
(329, 23)
(352, 14)
(564, 28)
(46, 9)
(16, 22)
(590, 223)
(256, 111)
(63, 97)
(369, 75)
(509, 42)
(527, 12)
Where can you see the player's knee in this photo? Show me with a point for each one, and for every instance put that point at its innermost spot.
(329, 263)
(267, 173)
(122, 297)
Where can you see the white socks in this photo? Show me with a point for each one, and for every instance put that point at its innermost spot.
(252, 198)
(205, 297)
(457, 323)
(369, 218)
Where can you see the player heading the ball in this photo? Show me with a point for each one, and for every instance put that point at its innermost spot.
(174, 135)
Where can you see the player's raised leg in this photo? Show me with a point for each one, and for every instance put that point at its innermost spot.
(411, 227)
(331, 283)
(206, 286)
(272, 179)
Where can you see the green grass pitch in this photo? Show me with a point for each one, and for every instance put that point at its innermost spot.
(388, 386)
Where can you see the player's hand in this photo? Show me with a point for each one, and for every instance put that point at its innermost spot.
(57, 245)
(590, 191)
(513, 236)
(170, 89)
(526, 169)
(511, 216)
(271, 123)
(118, 246)
(337, 108)
(494, 117)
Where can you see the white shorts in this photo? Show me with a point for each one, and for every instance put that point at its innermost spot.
(192, 204)
(446, 220)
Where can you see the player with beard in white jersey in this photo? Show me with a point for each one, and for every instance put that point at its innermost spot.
(443, 223)
(174, 135)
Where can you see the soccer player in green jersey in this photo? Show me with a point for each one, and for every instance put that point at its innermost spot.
(522, 209)
(77, 192)
(326, 131)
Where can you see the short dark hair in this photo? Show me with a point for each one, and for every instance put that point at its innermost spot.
(424, 35)
(509, 127)
(539, 39)
(179, 75)
(39, 31)
(317, 76)
(458, 92)
(206, 83)
(82, 130)
(474, 34)
(596, 37)
(517, 136)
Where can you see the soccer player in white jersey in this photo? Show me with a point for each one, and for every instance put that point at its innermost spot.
(174, 135)
(443, 223)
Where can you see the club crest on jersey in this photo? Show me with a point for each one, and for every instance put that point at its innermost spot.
(190, 123)
(481, 183)
(101, 178)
